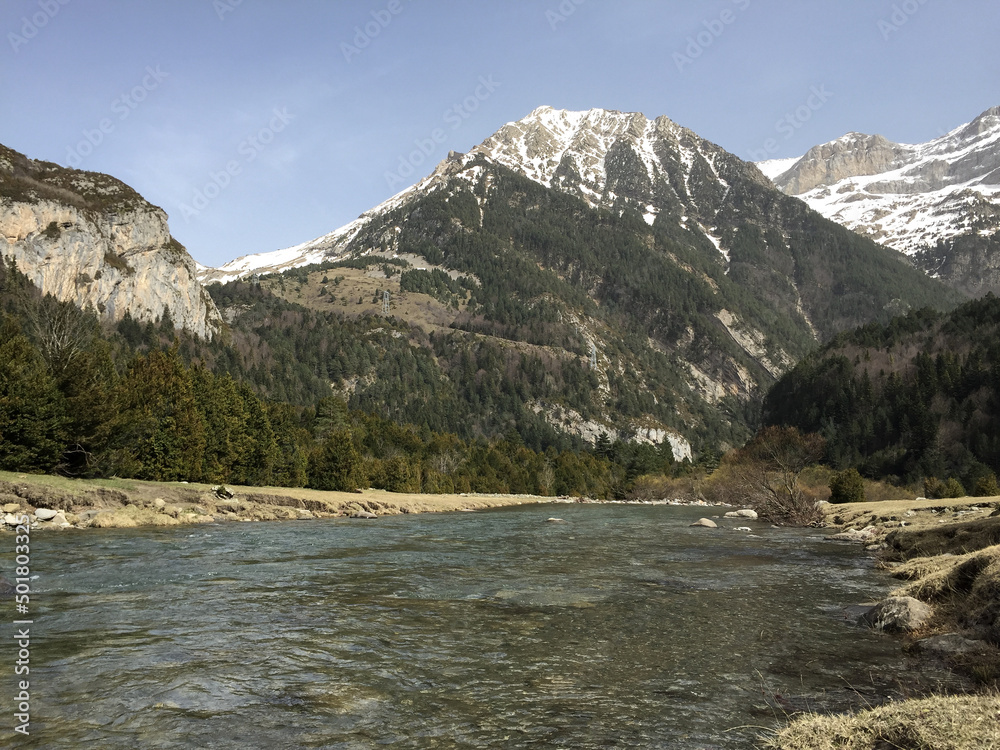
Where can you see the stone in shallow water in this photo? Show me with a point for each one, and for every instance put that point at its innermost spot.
(950, 643)
(897, 614)
(708, 523)
(742, 513)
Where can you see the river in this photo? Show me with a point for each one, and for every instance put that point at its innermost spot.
(620, 627)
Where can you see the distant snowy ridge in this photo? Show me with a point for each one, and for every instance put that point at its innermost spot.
(907, 196)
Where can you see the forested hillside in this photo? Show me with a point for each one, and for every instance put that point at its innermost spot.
(135, 401)
(917, 399)
(520, 285)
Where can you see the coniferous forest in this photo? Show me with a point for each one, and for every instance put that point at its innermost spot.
(917, 400)
(85, 399)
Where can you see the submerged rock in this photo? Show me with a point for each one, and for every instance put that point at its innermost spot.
(950, 644)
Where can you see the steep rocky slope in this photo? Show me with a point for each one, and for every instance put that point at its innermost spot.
(938, 202)
(87, 238)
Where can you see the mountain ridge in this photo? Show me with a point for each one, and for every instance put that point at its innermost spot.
(686, 276)
(937, 202)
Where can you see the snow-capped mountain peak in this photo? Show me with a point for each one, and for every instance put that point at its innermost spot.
(908, 196)
(604, 157)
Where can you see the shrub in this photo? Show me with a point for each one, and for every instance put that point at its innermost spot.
(52, 231)
(986, 486)
(847, 487)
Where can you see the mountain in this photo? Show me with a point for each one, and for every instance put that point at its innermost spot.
(938, 202)
(590, 271)
(917, 398)
(90, 239)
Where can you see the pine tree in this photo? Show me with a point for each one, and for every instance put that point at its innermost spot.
(160, 432)
(336, 464)
(32, 411)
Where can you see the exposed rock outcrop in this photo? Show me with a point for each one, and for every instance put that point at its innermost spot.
(852, 155)
(89, 239)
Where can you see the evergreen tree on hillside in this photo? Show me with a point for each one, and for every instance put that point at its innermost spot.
(32, 410)
(160, 432)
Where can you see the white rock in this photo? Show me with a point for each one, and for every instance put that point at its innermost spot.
(708, 523)
(742, 513)
(46, 514)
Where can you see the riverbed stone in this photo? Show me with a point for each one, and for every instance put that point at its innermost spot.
(45, 514)
(708, 523)
(897, 614)
(11, 507)
(11, 520)
(159, 503)
(858, 536)
(363, 514)
(742, 513)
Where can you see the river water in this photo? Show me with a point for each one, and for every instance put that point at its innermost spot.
(621, 627)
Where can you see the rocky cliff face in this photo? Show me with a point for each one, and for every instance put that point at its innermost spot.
(853, 155)
(90, 239)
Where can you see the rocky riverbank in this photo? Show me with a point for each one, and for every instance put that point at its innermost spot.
(57, 503)
(946, 553)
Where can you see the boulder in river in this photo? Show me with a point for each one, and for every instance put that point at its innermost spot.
(708, 523)
(363, 514)
(897, 614)
(750, 515)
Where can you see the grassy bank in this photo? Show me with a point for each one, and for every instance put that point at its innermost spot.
(124, 503)
(946, 553)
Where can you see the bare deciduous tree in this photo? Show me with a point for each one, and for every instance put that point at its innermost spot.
(766, 471)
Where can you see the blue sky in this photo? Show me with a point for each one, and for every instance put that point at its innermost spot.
(260, 124)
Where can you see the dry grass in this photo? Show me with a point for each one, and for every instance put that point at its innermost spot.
(937, 723)
(917, 514)
(421, 310)
(965, 588)
(131, 503)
